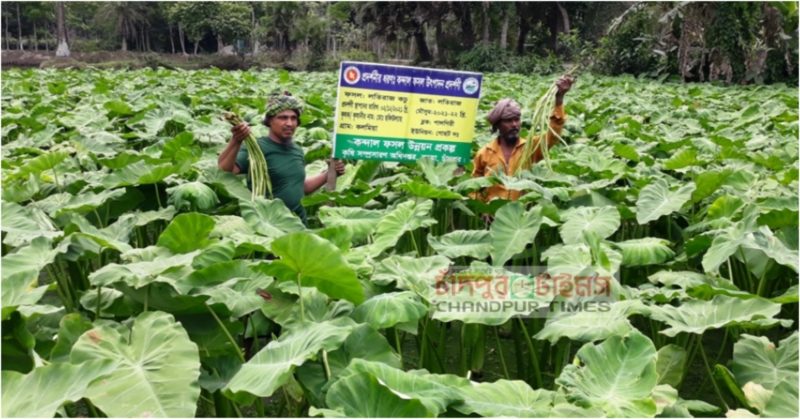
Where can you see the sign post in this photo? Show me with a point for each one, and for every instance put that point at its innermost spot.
(398, 113)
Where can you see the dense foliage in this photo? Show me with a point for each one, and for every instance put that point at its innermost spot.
(140, 280)
(698, 41)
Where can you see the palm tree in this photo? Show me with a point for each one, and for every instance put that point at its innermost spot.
(125, 15)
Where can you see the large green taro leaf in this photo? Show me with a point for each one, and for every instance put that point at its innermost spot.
(142, 218)
(41, 163)
(192, 196)
(140, 173)
(318, 263)
(576, 260)
(84, 202)
(359, 221)
(774, 248)
(216, 252)
(20, 190)
(685, 158)
(187, 233)
(698, 316)
(362, 395)
(473, 243)
(606, 319)
(156, 120)
(671, 364)
(230, 184)
(70, 329)
(434, 391)
(709, 181)
(757, 359)
(437, 174)
(271, 367)
(110, 300)
(725, 244)
(232, 284)
(513, 229)
(139, 274)
(41, 392)
(657, 199)
(418, 275)
(363, 343)
(760, 245)
(270, 218)
(21, 273)
(682, 279)
(22, 225)
(98, 143)
(388, 309)
(116, 236)
(672, 406)
(234, 228)
(407, 216)
(474, 184)
(645, 251)
(125, 158)
(426, 190)
(505, 398)
(699, 285)
(283, 307)
(745, 237)
(617, 376)
(156, 368)
(356, 196)
(603, 221)
(780, 402)
(783, 401)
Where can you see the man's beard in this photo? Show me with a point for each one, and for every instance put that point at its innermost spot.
(511, 138)
(283, 139)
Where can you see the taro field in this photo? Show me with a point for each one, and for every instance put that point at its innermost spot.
(140, 280)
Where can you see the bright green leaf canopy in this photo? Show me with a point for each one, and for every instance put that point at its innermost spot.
(603, 221)
(757, 359)
(617, 376)
(316, 262)
(271, 367)
(473, 243)
(155, 369)
(41, 392)
(658, 199)
(513, 229)
(388, 309)
(698, 316)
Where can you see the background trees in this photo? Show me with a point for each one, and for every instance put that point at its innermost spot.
(735, 42)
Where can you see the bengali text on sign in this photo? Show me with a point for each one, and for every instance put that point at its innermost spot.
(397, 113)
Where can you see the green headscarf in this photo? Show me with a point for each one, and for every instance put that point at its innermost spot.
(278, 103)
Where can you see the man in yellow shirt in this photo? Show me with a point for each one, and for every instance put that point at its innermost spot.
(503, 153)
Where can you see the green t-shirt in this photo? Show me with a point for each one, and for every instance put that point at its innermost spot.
(286, 166)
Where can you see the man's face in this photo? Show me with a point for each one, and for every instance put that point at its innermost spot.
(509, 129)
(283, 124)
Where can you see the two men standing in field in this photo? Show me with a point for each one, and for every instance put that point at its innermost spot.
(286, 163)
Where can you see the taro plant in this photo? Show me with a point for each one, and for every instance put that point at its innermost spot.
(138, 279)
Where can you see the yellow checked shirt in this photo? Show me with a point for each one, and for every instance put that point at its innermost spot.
(490, 159)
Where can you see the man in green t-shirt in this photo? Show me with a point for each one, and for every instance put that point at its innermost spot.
(285, 159)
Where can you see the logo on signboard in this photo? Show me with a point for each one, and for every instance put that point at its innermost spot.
(471, 85)
(352, 75)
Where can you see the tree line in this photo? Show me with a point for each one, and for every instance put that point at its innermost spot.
(735, 42)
